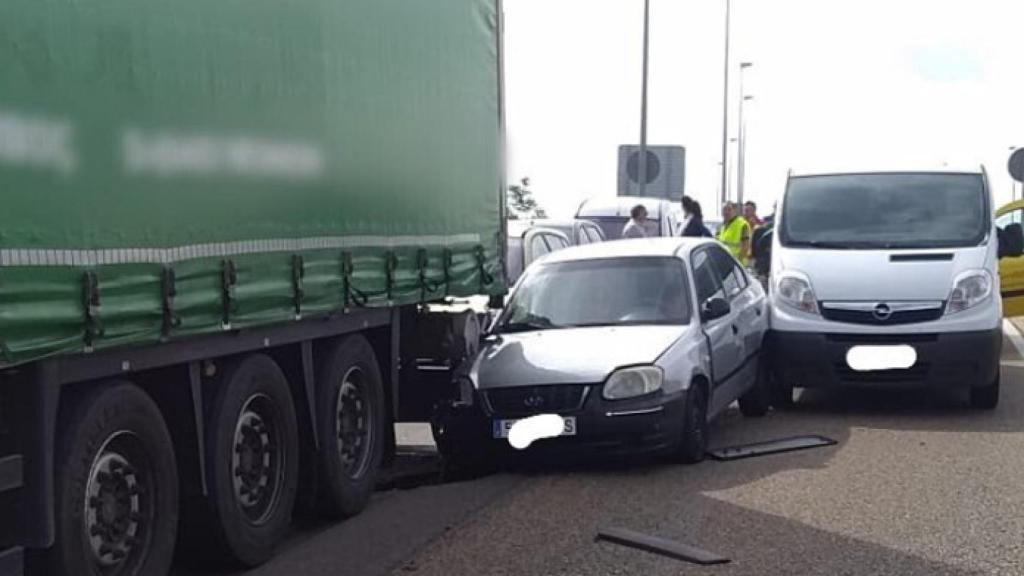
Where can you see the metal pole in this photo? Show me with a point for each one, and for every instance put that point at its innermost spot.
(741, 167)
(725, 107)
(643, 106)
(739, 142)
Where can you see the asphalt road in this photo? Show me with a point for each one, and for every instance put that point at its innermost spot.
(917, 484)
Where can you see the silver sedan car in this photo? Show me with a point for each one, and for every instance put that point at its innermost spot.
(636, 345)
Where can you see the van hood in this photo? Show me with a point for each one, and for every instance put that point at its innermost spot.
(569, 355)
(876, 275)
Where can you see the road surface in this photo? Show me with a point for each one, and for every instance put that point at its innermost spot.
(917, 484)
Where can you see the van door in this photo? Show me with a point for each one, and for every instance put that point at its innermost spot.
(722, 336)
(1011, 269)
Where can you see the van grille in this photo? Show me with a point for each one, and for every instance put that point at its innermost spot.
(837, 314)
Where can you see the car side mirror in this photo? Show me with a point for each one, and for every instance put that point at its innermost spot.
(714, 308)
(1011, 241)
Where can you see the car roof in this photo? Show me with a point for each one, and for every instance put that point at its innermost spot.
(633, 248)
(620, 206)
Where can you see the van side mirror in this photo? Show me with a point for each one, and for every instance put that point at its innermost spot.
(714, 308)
(1011, 241)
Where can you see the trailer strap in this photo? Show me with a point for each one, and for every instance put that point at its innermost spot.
(481, 261)
(298, 273)
(228, 280)
(168, 290)
(91, 306)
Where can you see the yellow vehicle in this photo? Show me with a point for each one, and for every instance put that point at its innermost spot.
(1011, 268)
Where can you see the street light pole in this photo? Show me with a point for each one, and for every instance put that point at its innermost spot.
(741, 167)
(725, 108)
(741, 135)
(643, 106)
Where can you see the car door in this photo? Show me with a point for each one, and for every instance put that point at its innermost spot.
(746, 299)
(721, 333)
(1011, 268)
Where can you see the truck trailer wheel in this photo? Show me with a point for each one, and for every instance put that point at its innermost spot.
(351, 420)
(253, 454)
(117, 487)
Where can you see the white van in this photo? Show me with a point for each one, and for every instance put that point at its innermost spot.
(887, 279)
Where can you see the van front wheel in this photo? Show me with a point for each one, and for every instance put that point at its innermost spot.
(985, 397)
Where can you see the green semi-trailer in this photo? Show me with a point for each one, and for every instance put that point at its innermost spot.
(220, 223)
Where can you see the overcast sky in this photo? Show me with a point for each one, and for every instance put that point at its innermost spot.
(836, 82)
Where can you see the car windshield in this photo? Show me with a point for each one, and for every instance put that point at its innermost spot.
(603, 292)
(612, 226)
(885, 211)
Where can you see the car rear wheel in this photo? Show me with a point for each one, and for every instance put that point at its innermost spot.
(986, 397)
(694, 443)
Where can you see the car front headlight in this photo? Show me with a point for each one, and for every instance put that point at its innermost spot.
(969, 289)
(632, 382)
(795, 291)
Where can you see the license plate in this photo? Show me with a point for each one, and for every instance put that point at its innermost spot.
(872, 358)
(502, 427)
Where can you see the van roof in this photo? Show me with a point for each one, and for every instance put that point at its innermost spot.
(944, 168)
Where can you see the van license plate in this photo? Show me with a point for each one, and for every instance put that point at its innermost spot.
(873, 358)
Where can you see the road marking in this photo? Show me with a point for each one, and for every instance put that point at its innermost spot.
(1014, 335)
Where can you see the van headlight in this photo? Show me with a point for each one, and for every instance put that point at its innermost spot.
(970, 288)
(795, 291)
(631, 382)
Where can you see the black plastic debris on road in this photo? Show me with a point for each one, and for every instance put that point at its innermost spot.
(778, 446)
(661, 546)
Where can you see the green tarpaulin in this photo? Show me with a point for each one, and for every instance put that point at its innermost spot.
(176, 167)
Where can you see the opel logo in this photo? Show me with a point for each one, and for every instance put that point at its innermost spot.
(533, 401)
(882, 312)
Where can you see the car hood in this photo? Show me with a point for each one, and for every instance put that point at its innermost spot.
(569, 355)
(874, 275)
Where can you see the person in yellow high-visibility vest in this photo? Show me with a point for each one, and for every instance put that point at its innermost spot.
(735, 232)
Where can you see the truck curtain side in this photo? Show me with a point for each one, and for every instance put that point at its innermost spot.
(209, 209)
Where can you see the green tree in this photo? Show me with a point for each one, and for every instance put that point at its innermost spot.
(521, 203)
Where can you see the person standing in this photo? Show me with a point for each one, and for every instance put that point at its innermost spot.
(750, 214)
(735, 232)
(694, 226)
(635, 227)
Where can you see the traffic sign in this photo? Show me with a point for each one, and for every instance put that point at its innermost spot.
(1017, 165)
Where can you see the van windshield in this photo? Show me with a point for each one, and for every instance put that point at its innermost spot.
(905, 210)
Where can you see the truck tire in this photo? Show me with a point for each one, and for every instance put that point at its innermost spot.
(116, 501)
(694, 443)
(252, 452)
(351, 420)
(985, 397)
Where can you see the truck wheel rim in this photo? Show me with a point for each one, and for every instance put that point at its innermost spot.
(118, 504)
(257, 459)
(354, 423)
